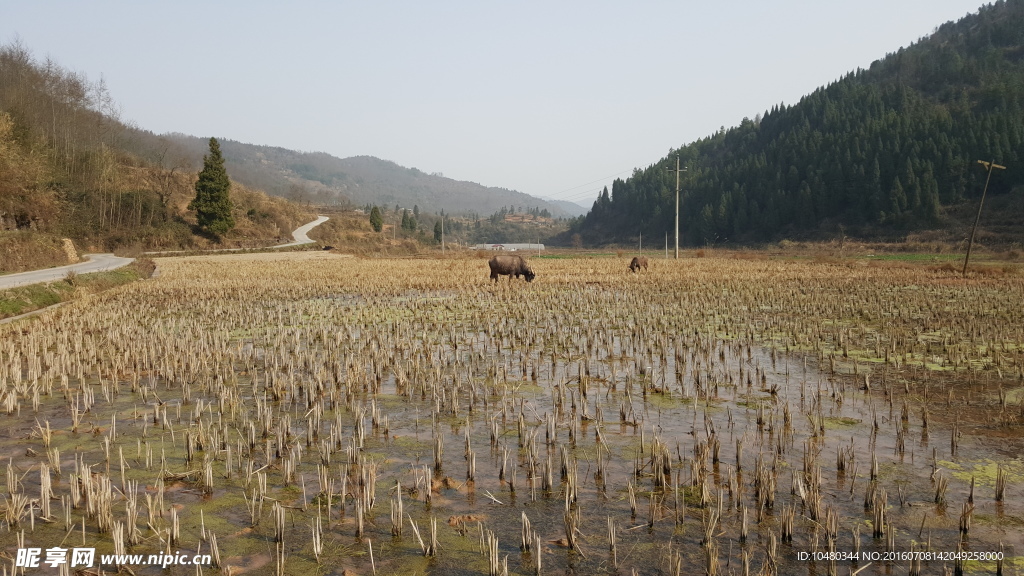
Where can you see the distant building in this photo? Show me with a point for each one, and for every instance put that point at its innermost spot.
(509, 247)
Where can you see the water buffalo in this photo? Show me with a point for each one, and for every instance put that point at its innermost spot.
(510, 266)
(637, 263)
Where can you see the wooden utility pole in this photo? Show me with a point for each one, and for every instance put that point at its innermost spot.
(677, 171)
(442, 232)
(990, 166)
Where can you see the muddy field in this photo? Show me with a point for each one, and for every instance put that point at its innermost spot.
(311, 414)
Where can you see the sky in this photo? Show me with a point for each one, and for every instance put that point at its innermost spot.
(554, 99)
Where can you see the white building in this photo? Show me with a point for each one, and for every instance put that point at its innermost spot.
(509, 247)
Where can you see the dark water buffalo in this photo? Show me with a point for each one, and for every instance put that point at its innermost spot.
(637, 263)
(510, 266)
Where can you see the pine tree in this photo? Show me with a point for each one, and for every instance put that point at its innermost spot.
(376, 219)
(408, 221)
(213, 201)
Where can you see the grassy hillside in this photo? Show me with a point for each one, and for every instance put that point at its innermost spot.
(69, 168)
(350, 231)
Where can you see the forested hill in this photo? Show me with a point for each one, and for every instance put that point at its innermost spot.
(880, 152)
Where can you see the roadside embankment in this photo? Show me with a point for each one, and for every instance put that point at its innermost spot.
(23, 300)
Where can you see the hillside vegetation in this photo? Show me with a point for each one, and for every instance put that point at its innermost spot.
(69, 168)
(881, 153)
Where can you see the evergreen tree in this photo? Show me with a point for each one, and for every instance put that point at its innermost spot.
(376, 219)
(437, 231)
(213, 201)
(408, 221)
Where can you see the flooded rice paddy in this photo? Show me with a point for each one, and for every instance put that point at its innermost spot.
(305, 414)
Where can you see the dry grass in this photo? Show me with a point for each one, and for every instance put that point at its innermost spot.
(22, 250)
(350, 232)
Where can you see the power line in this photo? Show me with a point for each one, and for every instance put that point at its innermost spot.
(677, 171)
(555, 195)
(584, 194)
(988, 166)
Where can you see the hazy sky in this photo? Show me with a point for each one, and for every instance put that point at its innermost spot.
(549, 98)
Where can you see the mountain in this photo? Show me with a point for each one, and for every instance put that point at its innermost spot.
(571, 208)
(361, 180)
(881, 153)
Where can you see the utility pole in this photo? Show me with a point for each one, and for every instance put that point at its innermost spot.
(666, 245)
(442, 232)
(990, 165)
(677, 171)
(641, 243)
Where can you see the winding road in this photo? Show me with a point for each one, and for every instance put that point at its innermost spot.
(105, 262)
(301, 233)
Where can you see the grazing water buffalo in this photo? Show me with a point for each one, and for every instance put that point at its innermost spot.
(637, 263)
(510, 266)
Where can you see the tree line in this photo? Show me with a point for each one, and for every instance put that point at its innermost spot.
(471, 229)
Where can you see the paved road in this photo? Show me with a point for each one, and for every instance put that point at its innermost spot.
(301, 233)
(94, 263)
(104, 262)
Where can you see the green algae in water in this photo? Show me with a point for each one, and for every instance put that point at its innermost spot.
(984, 471)
(836, 423)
